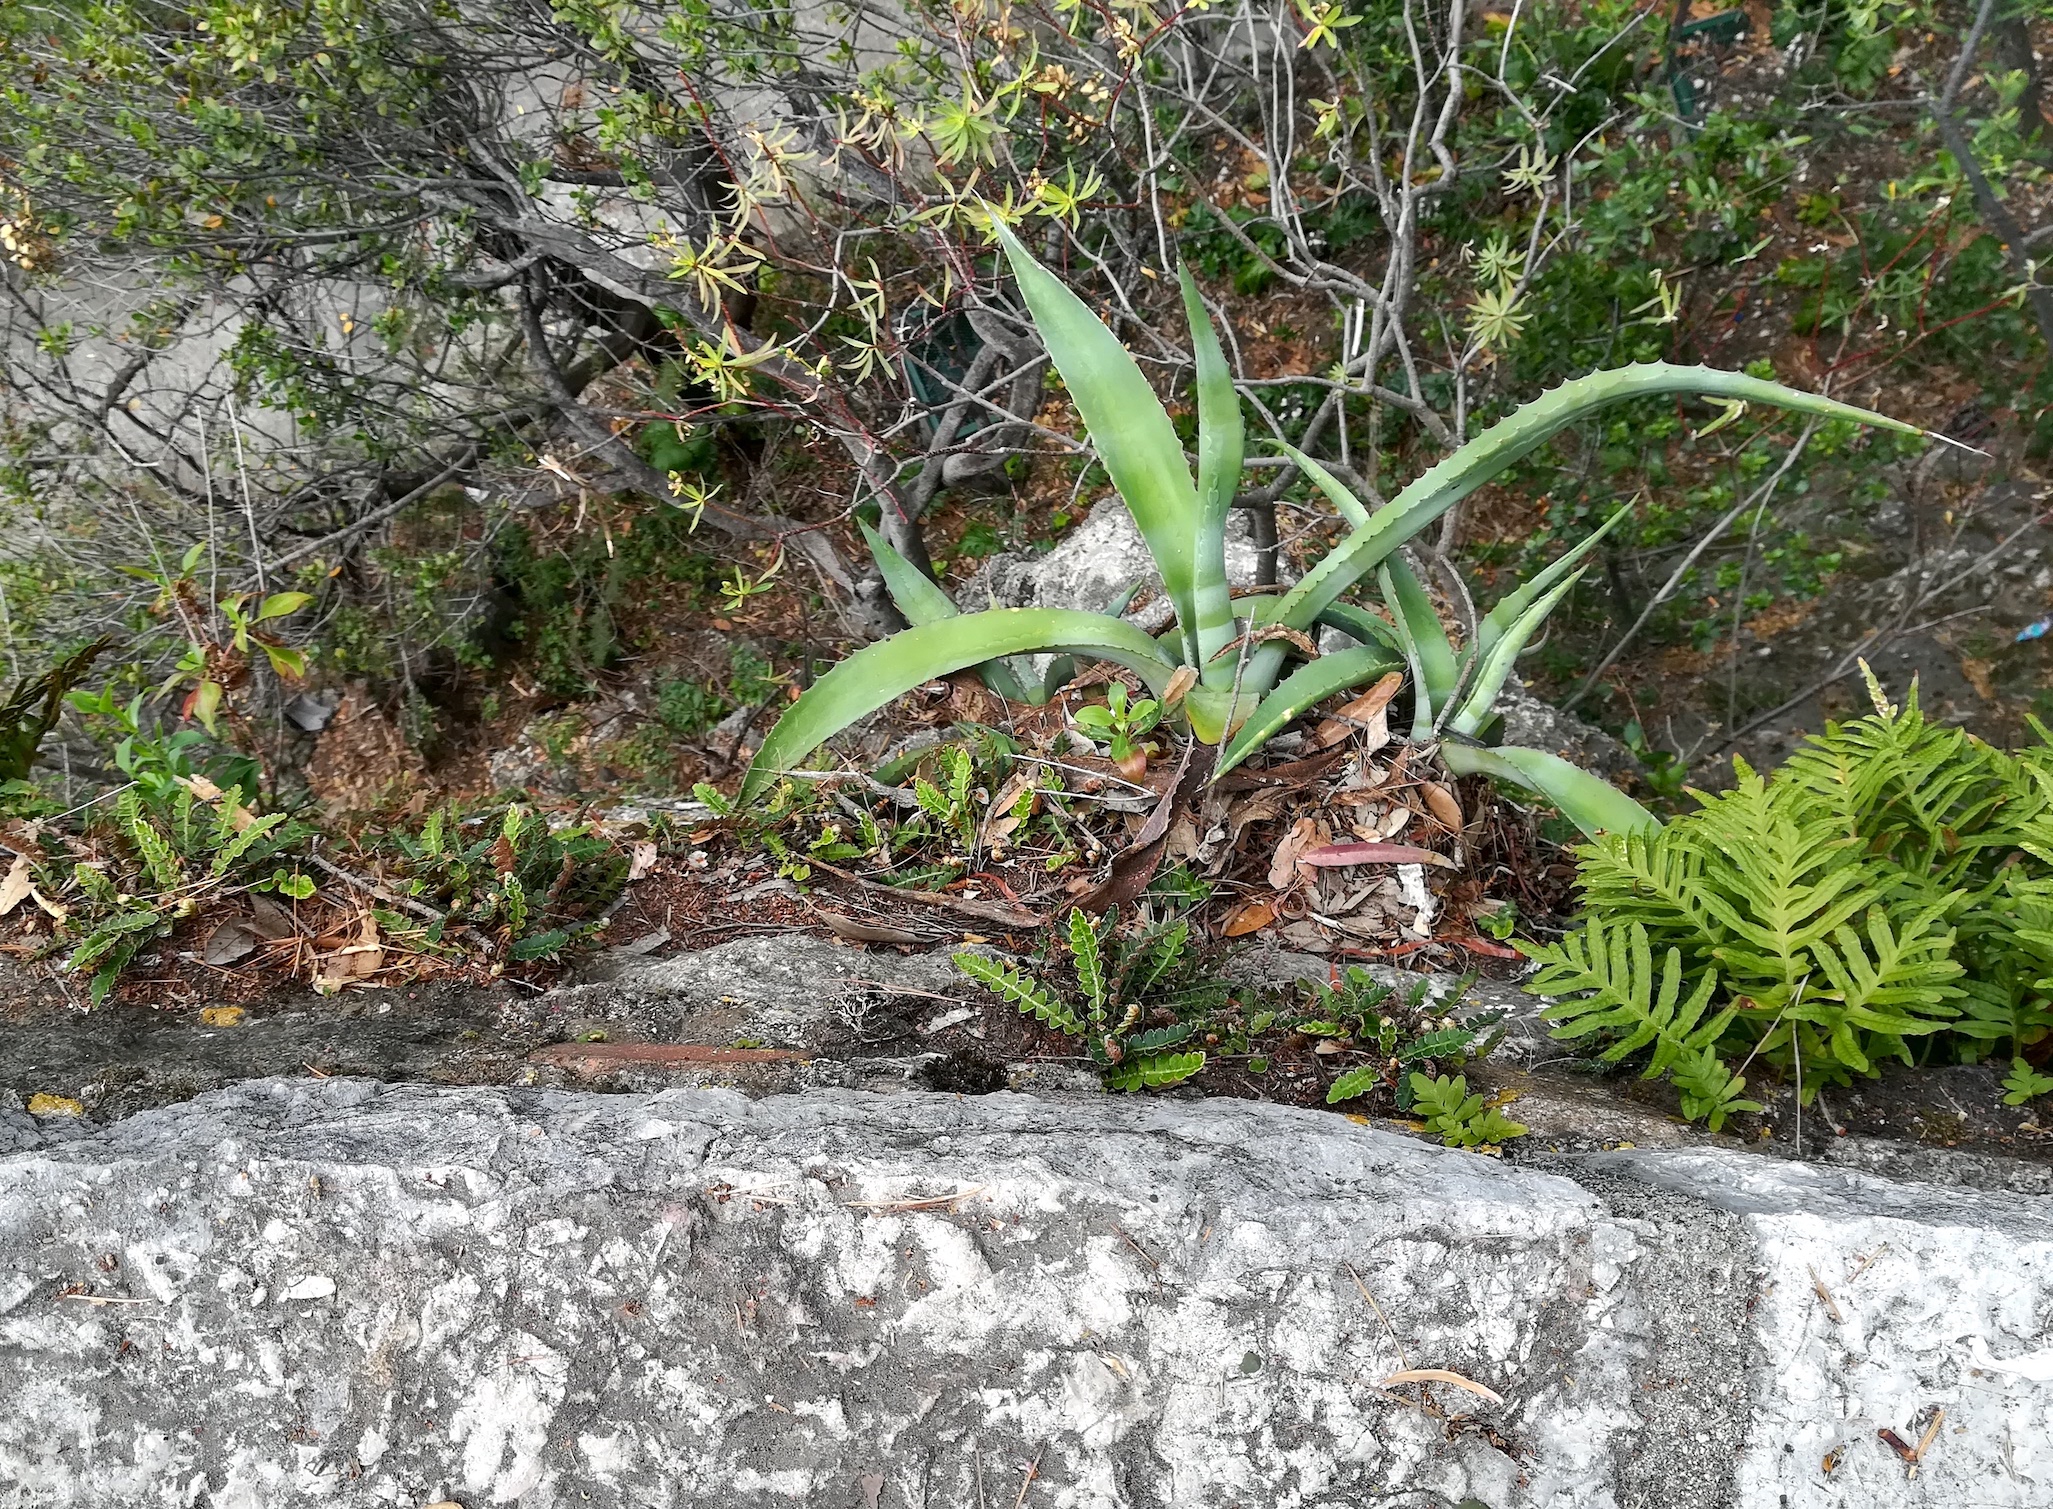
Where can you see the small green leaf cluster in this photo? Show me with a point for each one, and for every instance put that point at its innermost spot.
(1887, 894)
(1120, 725)
(511, 872)
(162, 859)
(928, 815)
(1358, 1012)
(1458, 1118)
(1119, 987)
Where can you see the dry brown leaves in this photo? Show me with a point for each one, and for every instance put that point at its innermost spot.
(17, 886)
(350, 955)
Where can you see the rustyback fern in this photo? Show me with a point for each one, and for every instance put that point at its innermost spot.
(1890, 886)
(1030, 996)
(1116, 981)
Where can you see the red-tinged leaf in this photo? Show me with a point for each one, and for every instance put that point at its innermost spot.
(1373, 854)
(1485, 947)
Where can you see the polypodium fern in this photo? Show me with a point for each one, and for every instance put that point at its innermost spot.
(1891, 884)
(1605, 980)
(2025, 1083)
(1710, 1091)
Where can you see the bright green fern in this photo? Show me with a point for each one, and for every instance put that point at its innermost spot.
(1886, 894)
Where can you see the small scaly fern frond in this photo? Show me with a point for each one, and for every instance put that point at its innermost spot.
(1030, 996)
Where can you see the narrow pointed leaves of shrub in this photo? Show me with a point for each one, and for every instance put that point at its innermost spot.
(1182, 524)
(1221, 444)
(876, 674)
(1590, 802)
(1512, 439)
(1361, 624)
(1497, 660)
(1305, 688)
(1128, 427)
(1434, 670)
(918, 596)
(1349, 506)
(923, 601)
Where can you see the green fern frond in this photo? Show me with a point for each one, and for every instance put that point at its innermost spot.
(1354, 1084)
(1445, 1042)
(160, 860)
(1459, 1118)
(1710, 1091)
(1158, 1038)
(2025, 1083)
(1088, 957)
(961, 773)
(1654, 877)
(1155, 1072)
(1159, 956)
(110, 934)
(1607, 983)
(240, 844)
(226, 808)
(1897, 980)
(1030, 996)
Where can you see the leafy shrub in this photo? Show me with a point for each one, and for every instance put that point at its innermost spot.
(1888, 887)
(1220, 669)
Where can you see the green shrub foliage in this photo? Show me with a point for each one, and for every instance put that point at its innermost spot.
(1886, 894)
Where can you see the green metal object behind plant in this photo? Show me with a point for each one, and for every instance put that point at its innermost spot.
(1183, 521)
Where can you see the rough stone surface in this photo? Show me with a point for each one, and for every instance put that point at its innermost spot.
(1541, 725)
(345, 1293)
(1092, 565)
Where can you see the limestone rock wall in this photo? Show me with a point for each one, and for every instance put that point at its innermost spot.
(352, 1294)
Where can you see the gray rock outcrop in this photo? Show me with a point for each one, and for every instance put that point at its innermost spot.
(352, 1294)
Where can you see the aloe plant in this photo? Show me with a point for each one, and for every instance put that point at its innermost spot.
(1239, 650)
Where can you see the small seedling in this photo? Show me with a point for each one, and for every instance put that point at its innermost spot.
(1120, 726)
(1459, 1118)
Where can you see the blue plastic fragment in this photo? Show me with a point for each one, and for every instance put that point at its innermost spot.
(2034, 630)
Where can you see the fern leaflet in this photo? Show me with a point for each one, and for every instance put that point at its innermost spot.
(1030, 996)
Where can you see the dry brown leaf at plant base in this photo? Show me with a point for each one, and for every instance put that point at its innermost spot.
(228, 944)
(999, 822)
(1441, 803)
(354, 962)
(1374, 854)
(1250, 917)
(641, 858)
(855, 930)
(268, 920)
(1370, 713)
(17, 885)
(1304, 834)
